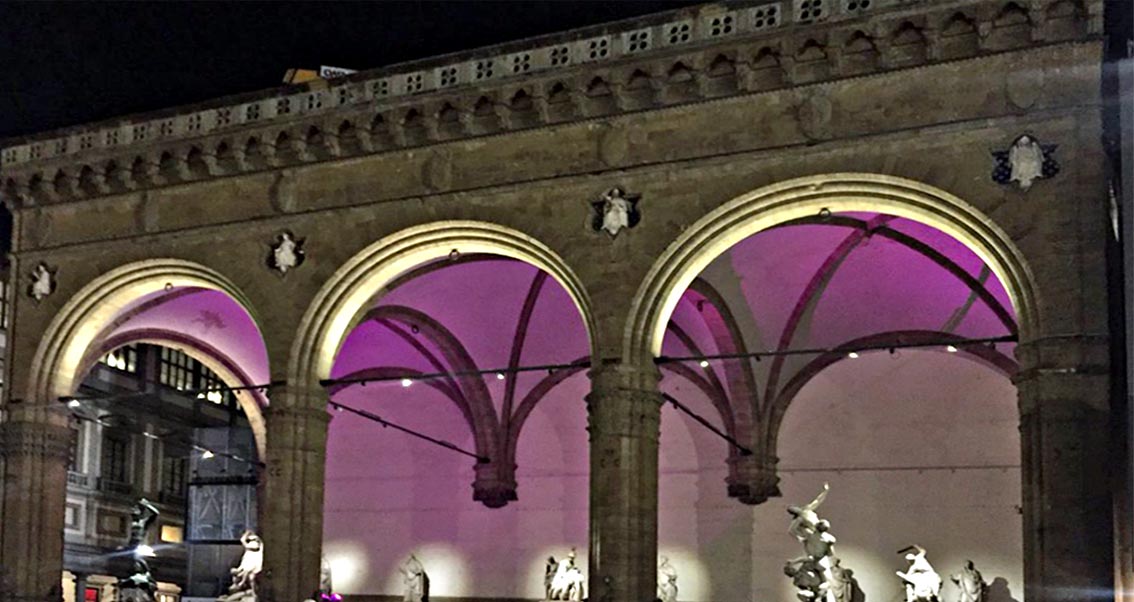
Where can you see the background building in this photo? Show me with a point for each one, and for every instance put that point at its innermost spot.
(635, 282)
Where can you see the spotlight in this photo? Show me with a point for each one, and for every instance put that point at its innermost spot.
(207, 455)
(149, 435)
(454, 255)
(406, 382)
(74, 404)
(824, 213)
(951, 349)
(144, 550)
(499, 376)
(704, 363)
(853, 355)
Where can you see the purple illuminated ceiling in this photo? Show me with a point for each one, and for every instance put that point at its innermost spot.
(202, 320)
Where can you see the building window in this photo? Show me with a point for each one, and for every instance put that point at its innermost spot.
(172, 534)
(184, 373)
(173, 476)
(115, 452)
(80, 440)
(3, 305)
(124, 359)
(176, 369)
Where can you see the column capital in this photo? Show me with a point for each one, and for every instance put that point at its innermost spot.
(39, 439)
(1081, 352)
(605, 378)
(624, 403)
(286, 396)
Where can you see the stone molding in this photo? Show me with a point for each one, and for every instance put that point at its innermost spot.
(352, 117)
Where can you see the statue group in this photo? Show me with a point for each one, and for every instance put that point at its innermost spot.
(245, 573)
(562, 580)
(819, 576)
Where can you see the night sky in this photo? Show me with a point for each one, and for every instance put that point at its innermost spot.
(63, 64)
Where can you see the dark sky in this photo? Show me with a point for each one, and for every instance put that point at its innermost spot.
(68, 63)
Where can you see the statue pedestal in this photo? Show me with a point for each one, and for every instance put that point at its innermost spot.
(134, 594)
(244, 596)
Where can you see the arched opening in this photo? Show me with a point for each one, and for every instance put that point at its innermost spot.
(479, 354)
(160, 366)
(845, 331)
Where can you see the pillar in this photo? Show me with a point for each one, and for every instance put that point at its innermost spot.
(1067, 469)
(291, 525)
(624, 408)
(35, 448)
(80, 587)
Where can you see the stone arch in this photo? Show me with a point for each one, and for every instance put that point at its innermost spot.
(67, 344)
(337, 307)
(252, 401)
(771, 205)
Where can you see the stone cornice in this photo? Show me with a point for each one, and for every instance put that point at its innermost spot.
(731, 49)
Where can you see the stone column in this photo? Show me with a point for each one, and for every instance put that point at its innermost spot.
(80, 587)
(292, 521)
(35, 448)
(1067, 471)
(624, 408)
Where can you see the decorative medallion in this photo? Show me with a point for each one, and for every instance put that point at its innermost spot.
(287, 253)
(42, 282)
(615, 210)
(1025, 162)
(814, 115)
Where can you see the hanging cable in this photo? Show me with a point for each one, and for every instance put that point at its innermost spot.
(412, 378)
(206, 453)
(744, 451)
(191, 393)
(957, 342)
(386, 423)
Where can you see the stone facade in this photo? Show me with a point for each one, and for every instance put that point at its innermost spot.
(897, 107)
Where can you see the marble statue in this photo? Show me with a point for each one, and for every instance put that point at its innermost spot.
(414, 580)
(614, 211)
(970, 583)
(808, 578)
(42, 282)
(326, 586)
(567, 582)
(923, 584)
(804, 518)
(818, 575)
(548, 575)
(286, 253)
(1025, 158)
(244, 574)
(840, 582)
(139, 586)
(667, 581)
